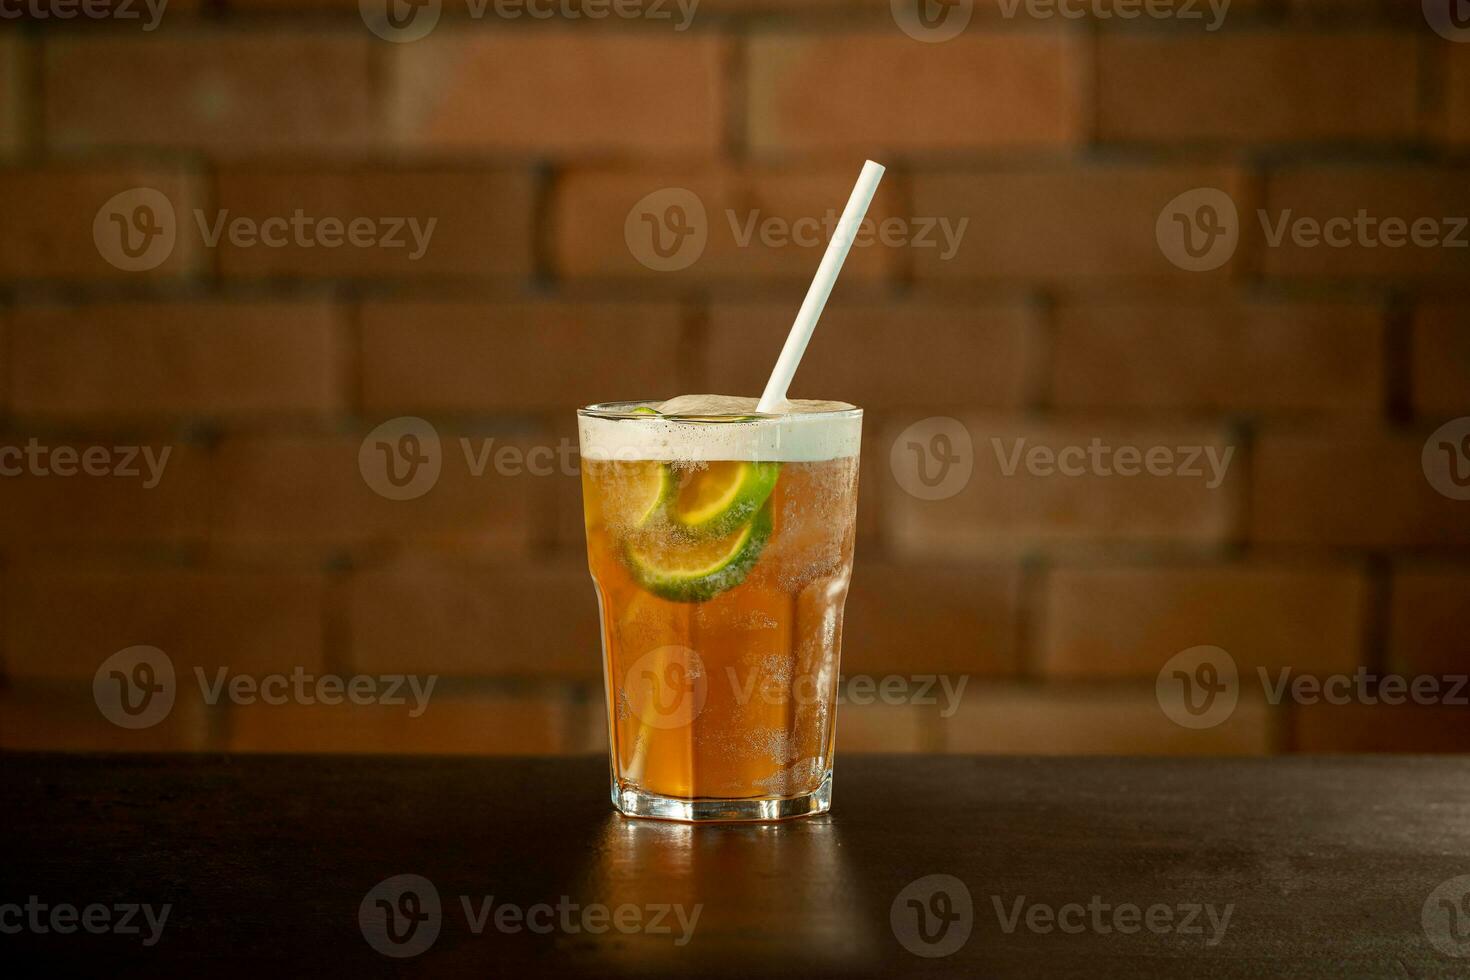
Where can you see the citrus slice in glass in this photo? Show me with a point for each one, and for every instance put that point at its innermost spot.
(681, 569)
(717, 499)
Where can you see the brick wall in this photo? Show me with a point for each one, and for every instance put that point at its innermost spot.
(1064, 157)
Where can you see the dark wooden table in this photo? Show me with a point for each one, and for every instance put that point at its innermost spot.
(1327, 867)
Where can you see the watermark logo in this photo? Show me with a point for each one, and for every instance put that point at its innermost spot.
(121, 919)
(135, 688)
(401, 459)
(135, 230)
(1446, 459)
(777, 688)
(1204, 919)
(401, 916)
(934, 458)
(932, 21)
(149, 11)
(34, 459)
(1184, 10)
(1199, 230)
(667, 687)
(1449, 18)
(1099, 459)
(933, 916)
(1446, 917)
(1199, 687)
(400, 21)
(667, 230)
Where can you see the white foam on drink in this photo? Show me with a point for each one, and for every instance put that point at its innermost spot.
(704, 428)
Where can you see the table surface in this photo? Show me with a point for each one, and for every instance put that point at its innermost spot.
(1326, 867)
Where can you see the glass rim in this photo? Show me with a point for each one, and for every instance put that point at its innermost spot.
(624, 411)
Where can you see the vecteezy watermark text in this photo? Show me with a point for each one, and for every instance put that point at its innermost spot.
(669, 229)
(124, 462)
(63, 918)
(934, 916)
(401, 916)
(1185, 10)
(137, 687)
(403, 458)
(1101, 918)
(1200, 687)
(1200, 230)
(137, 229)
(402, 21)
(1100, 459)
(149, 11)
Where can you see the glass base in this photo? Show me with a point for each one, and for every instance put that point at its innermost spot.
(639, 803)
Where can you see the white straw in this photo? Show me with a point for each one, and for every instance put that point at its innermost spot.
(774, 398)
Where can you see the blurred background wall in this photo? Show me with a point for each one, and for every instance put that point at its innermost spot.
(1093, 237)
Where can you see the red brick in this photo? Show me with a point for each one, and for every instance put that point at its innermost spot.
(63, 622)
(451, 724)
(1381, 728)
(481, 223)
(557, 92)
(142, 360)
(14, 64)
(45, 718)
(1063, 225)
(939, 355)
(1427, 620)
(306, 495)
(1252, 86)
(1128, 622)
(1406, 193)
(39, 509)
(1080, 720)
(1441, 360)
(930, 618)
(517, 357)
(750, 224)
(1268, 357)
(49, 222)
(526, 620)
(1360, 489)
(1010, 90)
(228, 93)
(996, 514)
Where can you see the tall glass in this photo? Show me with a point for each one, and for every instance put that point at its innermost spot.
(721, 550)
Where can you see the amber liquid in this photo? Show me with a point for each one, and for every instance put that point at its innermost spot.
(733, 697)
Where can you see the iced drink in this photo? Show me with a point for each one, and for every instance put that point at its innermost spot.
(720, 542)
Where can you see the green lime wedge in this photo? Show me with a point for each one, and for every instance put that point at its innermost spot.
(644, 410)
(716, 500)
(681, 570)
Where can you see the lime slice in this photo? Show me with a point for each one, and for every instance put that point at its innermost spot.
(644, 410)
(681, 570)
(637, 492)
(716, 500)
